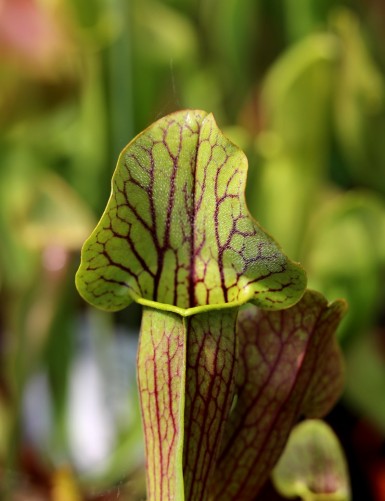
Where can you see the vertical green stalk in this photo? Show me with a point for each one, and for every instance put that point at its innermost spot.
(161, 381)
(186, 368)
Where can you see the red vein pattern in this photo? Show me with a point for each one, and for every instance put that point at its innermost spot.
(211, 365)
(281, 363)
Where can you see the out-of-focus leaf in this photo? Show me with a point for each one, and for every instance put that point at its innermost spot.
(359, 104)
(41, 218)
(18, 175)
(300, 18)
(165, 53)
(231, 29)
(97, 20)
(54, 216)
(232, 32)
(301, 73)
(164, 49)
(164, 34)
(72, 140)
(289, 366)
(312, 466)
(203, 90)
(85, 143)
(345, 256)
(365, 377)
(296, 99)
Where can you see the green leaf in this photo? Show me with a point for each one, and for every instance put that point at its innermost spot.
(53, 215)
(365, 377)
(186, 370)
(173, 38)
(294, 148)
(345, 257)
(289, 366)
(313, 465)
(177, 232)
(359, 103)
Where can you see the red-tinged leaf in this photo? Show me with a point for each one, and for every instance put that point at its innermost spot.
(313, 465)
(193, 422)
(281, 365)
(328, 378)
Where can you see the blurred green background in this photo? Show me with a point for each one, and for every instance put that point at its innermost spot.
(299, 85)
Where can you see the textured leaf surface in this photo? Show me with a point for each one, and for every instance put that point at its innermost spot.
(193, 422)
(289, 365)
(177, 231)
(312, 465)
(211, 366)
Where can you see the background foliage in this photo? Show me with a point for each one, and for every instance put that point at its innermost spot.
(300, 86)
